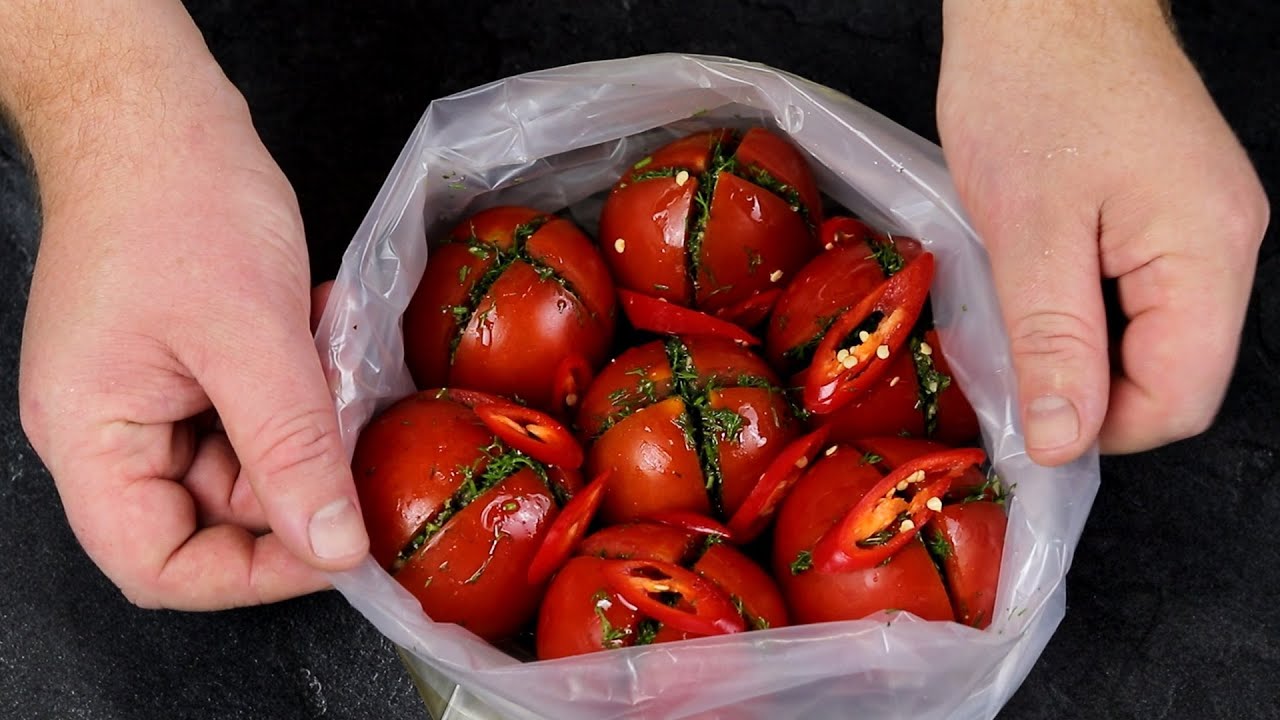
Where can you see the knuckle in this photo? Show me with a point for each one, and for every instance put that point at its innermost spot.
(1053, 338)
(293, 442)
(1242, 219)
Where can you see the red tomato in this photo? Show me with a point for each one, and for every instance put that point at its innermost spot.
(969, 539)
(831, 487)
(713, 220)
(583, 611)
(507, 298)
(684, 424)
(453, 514)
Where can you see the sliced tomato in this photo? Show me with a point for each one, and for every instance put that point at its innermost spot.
(969, 540)
(838, 373)
(762, 502)
(691, 521)
(533, 433)
(660, 316)
(698, 605)
(567, 530)
(891, 513)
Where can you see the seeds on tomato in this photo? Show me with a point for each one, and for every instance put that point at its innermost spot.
(775, 276)
(682, 177)
(619, 245)
(882, 352)
(934, 504)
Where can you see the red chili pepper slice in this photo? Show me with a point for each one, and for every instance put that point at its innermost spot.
(660, 316)
(697, 605)
(472, 398)
(570, 382)
(752, 311)
(532, 432)
(875, 528)
(567, 530)
(838, 373)
(691, 521)
(842, 230)
(754, 514)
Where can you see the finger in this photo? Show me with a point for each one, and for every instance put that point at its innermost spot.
(1044, 259)
(141, 528)
(319, 299)
(1186, 312)
(221, 493)
(266, 381)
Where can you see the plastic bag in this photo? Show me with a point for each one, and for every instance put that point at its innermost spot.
(559, 138)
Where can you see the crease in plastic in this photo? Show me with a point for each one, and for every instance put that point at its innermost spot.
(556, 139)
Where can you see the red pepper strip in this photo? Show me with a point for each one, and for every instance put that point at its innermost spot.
(700, 606)
(570, 382)
(754, 514)
(533, 433)
(844, 547)
(691, 521)
(753, 310)
(843, 230)
(660, 316)
(839, 373)
(567, 530)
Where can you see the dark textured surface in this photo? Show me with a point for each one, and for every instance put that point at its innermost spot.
(1172, 599)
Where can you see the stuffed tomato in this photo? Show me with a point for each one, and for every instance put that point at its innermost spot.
(717, 221)
(454, 512)
(513, 302)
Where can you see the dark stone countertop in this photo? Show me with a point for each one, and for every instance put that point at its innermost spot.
(1172, 598)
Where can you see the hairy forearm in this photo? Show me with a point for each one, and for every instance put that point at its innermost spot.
(92, 85)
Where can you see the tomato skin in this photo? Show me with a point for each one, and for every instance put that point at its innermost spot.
(642, 427)
(568, 623)
(653, 467)
(822, 497)
(974, 535)
(524, 323)
(570, 620)
(752, 236)
(474, 571)
(409, 464)
(957, 423)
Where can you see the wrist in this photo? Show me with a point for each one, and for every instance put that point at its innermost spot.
(96, 90)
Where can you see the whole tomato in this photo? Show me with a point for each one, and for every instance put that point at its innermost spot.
(642, 583)
(683, 424)
(716, 221)
(514, 302)
(453, 513)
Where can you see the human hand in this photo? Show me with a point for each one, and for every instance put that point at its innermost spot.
(172, 281)
(1085, 146)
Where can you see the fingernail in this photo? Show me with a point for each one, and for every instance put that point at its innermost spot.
(1052, 422)
(337, 531)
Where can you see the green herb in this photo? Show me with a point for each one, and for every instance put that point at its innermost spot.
(754, 259)
(644, 162)
(647, 631)
(654, 174)
(660, 287)
(991, 488)
(801, 355)
(938, 545)
(871, 458)
(463, 270)
(722, 161)
(610, 637)
(930, 382)
(787, 193)
(478, 251)
(885, 252)
(802, 563)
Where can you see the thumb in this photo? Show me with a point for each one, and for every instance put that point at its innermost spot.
(270, 391)
(1044, 259)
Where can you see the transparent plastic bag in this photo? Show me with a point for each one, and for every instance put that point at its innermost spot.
(558, 139)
